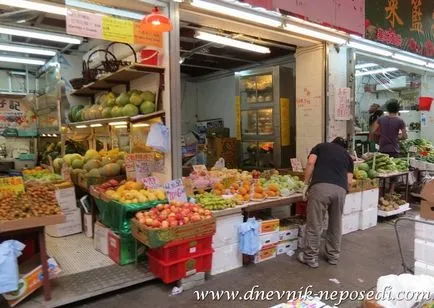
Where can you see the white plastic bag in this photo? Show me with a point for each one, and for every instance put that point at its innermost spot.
(158, 137)
(220, 164)
(9, 275)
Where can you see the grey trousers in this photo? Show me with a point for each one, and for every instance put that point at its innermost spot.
(324, 198)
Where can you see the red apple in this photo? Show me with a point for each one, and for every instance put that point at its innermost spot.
(160, 207)
(165, 224)
(179, 216)
(113, 182)
(149, 222)
(173, 223)
(156, 224)
(186, 220)
(195, 217)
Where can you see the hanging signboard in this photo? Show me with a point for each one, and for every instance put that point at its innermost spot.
(109, 28)
(405, 24)
(175, 190)
(17, 114)
(343, 104)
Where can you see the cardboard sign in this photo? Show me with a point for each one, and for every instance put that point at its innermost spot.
(296, 165)
(175, 190)
(143, 162)
(151, 182)
(143, 169)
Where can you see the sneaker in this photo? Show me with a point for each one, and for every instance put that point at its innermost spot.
(312, 264)
(332, 261)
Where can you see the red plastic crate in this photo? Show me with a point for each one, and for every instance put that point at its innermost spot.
(179, 250)
(173, 271)
(300, 208)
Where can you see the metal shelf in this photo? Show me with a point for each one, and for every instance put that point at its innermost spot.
(134, 119)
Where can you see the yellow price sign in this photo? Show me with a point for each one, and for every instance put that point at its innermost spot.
(117, 30)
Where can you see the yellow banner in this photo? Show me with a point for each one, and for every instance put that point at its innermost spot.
(285, 131)
(117, 30)
(238, 116)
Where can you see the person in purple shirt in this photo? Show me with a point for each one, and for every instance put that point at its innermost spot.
(391, 129)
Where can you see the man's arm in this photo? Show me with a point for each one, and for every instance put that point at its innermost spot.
(403, 135)
(311, 161)
(350, 178)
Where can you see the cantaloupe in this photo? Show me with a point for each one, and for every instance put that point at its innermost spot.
(91, 154)
(111, 169)
(94, 173)
(77, 163)
(92, 164)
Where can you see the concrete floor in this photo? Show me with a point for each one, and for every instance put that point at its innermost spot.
(366, 255)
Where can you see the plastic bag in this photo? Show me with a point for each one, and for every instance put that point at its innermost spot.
(9, 275)
(158, 137)
(220, 164)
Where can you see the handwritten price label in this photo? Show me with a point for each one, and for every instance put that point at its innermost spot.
(175, 190)
(151, 182)
(296, 165)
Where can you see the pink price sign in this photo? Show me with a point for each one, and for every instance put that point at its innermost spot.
(151, 182)
(175, 190)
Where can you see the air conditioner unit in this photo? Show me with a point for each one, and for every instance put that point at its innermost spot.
(393, 84)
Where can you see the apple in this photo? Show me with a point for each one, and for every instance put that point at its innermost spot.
(166, 206)
(156, 224)
(179, 216)
(195, 217)
(172, 208)
(113, 182)
(201, 211)
(165, 224)
(163, 215)
(149, 222)
(160, 207)
(172, 215)
(185, 212)
(173, 223)
(186, 220)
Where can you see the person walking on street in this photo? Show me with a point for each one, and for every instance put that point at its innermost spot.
(329, 170)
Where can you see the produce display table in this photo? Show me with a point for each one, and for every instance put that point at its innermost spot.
(34, 226)
(271, 203)
(384, 177)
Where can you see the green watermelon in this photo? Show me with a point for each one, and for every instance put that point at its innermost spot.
(363, 166)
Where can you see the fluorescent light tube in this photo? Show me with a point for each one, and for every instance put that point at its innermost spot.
(141, 125)
(21, 60)
(221, 9)
(316, 34)
(379, 71)
(36, 6)
(104, 9)
(40, 35)
(371, 49)
(81, 126)
(95, 125)
(118, 123)
(121, 126)
(409, 59)
(230, 42)
(365, 65)
(404, 111)
(431, 65)
(29, 50)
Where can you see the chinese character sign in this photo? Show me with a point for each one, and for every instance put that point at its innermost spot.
(16, 113)
(175, 190)
(343, 104)
(405, 24)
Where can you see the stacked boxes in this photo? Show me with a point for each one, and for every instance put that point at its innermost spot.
(227, 255)
(351, 212)
(368, 216)
(360, 210)
(424, 248)
(288, 235)
(269, 234)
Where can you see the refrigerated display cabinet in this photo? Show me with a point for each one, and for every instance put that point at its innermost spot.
(266, 117)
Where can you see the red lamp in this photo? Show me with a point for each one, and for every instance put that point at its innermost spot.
(156, 22)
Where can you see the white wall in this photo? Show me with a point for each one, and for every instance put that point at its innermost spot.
(427, 89)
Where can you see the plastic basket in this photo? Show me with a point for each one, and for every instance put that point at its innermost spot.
(117, 216)
(173, 271)
(179, 250)
(425, 103)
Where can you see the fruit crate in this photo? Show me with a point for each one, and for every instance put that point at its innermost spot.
(173, 271)
(87, 181)
(154, 238)
(178, 250)
(117, 216)
(369, 184)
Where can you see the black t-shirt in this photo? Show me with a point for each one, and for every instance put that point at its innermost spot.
(332, 165)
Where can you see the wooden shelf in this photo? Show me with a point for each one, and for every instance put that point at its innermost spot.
(123, 76)
(135, 119)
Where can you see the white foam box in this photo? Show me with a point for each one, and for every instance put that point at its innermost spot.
(353, 202)
(72, 225)
(370, 198)
(421, 268)
(289, 234)
(100, 239)
(285, 246)
(227, 230)
(226, 258)
(368, 218)
(66, 198)
(424, 251)
(350, 222)
(269, 239)
(265, 254)
(423, 231)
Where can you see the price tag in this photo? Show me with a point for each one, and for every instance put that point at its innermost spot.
(200, 168)
(143, 169)
(151, 182)
(175, 190)
(412, 149)
(296, 165)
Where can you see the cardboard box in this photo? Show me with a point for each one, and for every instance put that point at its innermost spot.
(268, 225)
(370, 198)
(226, 258)
(421, 268)
(269, 239)
(353, 203)
(423, 231)
(265, 254)
(427, 209)
(286, 246)
(32, 280)
(290, 234)
(122, 248)
(66, 198)
(368, 218)
(72, 225)
(350, 222)
(87, 225)
(100, 240)
(424, 251)
(227, 230)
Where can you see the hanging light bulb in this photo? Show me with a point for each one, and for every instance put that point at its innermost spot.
(156, 22)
